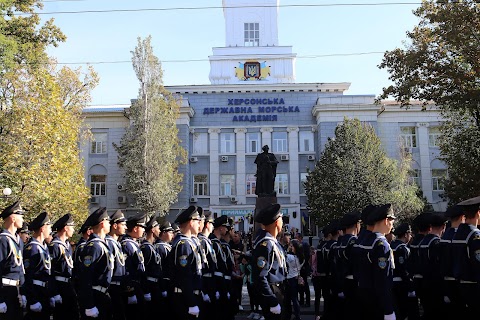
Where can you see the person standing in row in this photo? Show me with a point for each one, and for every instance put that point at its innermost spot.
(220, 225)
(270, 268)
(37, 263)
(153, 267)
(163, 247)
(207, 311)
(185, 266)
(116, 290)
(85, 232)
(12, 301)
(66, 306)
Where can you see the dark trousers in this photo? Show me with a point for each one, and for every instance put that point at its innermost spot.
(368, 305)
(154, 289)
(279, 292)
(470, 295)
(456, 307)
(432, 300)
(11, 299)
(350, 300)
(318, 287)
(43, 297)
(69, 308)
(180, 307)
(304, 291)
(252, 294)
(329, 300)
(291, 298)
(400, 300)
(116, 295)
(135, 311)
(103, 304)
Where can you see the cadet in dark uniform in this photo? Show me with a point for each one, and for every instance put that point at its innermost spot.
(97, 270)
(85, 232)
(135, 267)
(453, 304)
(466, 254)
(375, 269)
(331, 233)
(220, 228)
(402, 281)
(12, 300)
(24, 233)
(163, 247)
(116, 290)
(66, 305)
(208, 283)
(153, 267)
(36, 260)
(185, 266)
(269, 269)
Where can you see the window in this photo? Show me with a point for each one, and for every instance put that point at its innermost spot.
(251, 34)
(227, 184)
(433, 136)
(279, 142)
(97, 185)
(227, 143)
(438, 179)
(251, 184)
(281, 183)
(303, 179)
(408, 136)
(99, 143)
(253, 142)
(415, 177)
(200, 185)
(200, 143)
(306, 141)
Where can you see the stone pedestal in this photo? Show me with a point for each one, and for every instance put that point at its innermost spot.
(261, 203)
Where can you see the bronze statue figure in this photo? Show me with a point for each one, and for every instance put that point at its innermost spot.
(266, 171)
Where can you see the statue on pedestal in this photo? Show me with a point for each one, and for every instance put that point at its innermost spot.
(266, 171)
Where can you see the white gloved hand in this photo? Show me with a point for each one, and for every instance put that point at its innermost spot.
(194, 311)
(389, 316)
(37, 307)
(446, 299)
(132, 300)
(276, 310)
(92, 312)
(58, 298)
(228, 295)
(23, 302)
(164, 294)
(206, 298)
(147, 297)
(341, 295)
(412, 294)
(217, 295)
(3, 307)
(52, 302)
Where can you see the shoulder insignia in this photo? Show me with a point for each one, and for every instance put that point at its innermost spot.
(477, 255)
(477, 237)
(90, 244)
(87, 261)
(181, 242)
(26, 263)
(401, 260)
(261, 262)
(182, 260)
(380, 243)
(264, 243)
(29, 247)
(382, 263)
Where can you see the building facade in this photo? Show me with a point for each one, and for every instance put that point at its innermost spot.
(252, 101)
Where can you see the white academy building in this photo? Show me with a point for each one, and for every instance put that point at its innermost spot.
(253, 100)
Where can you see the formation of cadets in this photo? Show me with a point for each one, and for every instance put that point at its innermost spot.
(128, 268)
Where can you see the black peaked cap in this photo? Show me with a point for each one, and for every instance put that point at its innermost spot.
(97, 216)
(402, 229)
(220, 221)
(139, 219)
(117, 217)
(454, 211)
(381, 212)
(152, 223)
(39, 221)
(350, 218)
(187, 215)
(269, 214)
(166, 226)
(65, 220)
(14, 208)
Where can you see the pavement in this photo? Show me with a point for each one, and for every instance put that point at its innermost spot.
(306, 313)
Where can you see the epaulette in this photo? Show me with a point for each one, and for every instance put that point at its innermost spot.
(264, 243)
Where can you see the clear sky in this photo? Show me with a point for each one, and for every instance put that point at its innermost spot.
(332, 27)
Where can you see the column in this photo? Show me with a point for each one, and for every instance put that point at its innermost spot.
(241, 166)
(214, 182)
(426, 170)
(294, 174)
(267, 137)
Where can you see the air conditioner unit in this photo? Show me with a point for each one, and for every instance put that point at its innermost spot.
(284, 157)
(120, 187)
(193, 199)
(94, 200)
(193, 159)
(311, 157)
(224, 158)
(122, 199)
(233, 199)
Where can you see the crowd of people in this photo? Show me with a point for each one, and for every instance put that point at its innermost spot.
(128, 268)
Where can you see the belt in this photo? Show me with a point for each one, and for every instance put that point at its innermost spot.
(178, 290)
(152, 279)
(449, 278)
(100, 288)
(115, 283)
(10, 282)
(62, 279)
(228, 278)
(40, 283)
(322, 274)
(166, 279)
(207, 275)
(218, 274)
(417, 276)
(397, 279)
(349, 277)
(470, 282)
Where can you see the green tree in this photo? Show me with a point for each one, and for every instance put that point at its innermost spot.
(354, 171)
(150, 151)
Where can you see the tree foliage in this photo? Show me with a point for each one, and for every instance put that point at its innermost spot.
(354, 171)
(150, 151)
